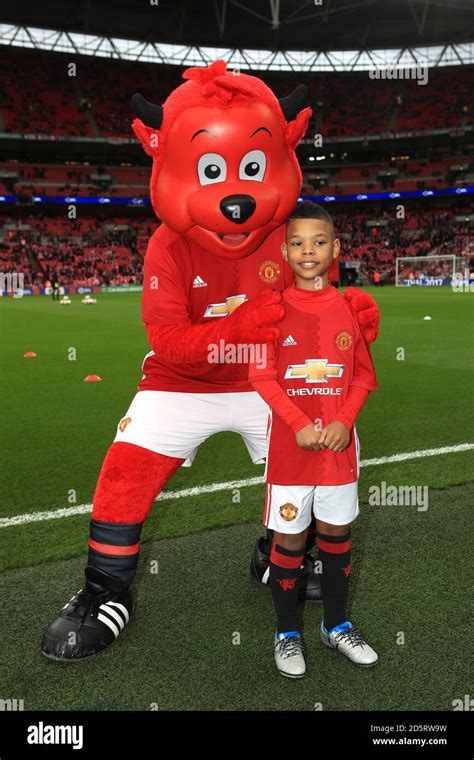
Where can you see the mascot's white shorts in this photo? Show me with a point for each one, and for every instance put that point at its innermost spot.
(175, 424)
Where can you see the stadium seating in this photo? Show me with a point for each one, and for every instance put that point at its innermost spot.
(96, 101)
(90, 252)
(77, 252)
(129, 181)
(95, 104)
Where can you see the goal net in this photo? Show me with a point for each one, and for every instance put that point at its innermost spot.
(425, 270)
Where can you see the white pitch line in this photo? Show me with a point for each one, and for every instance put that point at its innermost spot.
(82, 509)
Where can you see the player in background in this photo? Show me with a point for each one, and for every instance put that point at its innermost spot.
(316, 380)
(55, 283)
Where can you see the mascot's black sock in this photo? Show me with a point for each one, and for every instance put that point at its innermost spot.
(311, 537)
(268, 541)
(115, 548)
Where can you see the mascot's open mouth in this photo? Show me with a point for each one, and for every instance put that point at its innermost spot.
(233, 238)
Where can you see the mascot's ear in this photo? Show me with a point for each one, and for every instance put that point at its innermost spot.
(147, 126)
(148, 137)
(296, 129)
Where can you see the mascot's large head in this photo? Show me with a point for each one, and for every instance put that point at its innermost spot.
(225, 172)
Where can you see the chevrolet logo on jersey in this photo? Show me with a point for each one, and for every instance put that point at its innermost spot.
(223, 309)
(314, 371)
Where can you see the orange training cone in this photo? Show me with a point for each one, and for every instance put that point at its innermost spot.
(29, 355)
(92, 379)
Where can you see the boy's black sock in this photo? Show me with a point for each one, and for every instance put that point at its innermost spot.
(310, 540)
(335, 556)
(284, 573)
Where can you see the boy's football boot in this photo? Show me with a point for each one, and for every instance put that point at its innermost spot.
(309, 585)
(290, 654)
(345, 638)
(92, 620)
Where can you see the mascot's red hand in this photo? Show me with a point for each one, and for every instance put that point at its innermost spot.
(249, 323)
(366, 311)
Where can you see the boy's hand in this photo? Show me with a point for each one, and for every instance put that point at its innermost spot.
(334, 436)
(308, 438)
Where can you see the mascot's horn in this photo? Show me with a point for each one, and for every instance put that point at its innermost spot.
(293, 103)
(150, 114)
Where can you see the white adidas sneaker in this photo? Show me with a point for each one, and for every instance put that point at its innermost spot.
(290, 654)
(345, 638)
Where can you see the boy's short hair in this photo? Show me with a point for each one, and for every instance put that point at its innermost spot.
(310, 210)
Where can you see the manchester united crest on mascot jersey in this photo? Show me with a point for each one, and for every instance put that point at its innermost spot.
(269, 271)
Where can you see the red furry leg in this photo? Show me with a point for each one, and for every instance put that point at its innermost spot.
(130, 480)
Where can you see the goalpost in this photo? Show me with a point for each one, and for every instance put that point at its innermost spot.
(425, 270)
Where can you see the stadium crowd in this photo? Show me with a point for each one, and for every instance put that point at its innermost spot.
(96, 251)
(83, 252)
(93, 99)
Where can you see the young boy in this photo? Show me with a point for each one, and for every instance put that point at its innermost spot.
(316, 380)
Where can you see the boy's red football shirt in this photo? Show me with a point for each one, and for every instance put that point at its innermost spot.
(320, 355)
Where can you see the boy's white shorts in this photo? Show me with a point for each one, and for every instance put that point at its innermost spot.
(175, 424)
(288, 509)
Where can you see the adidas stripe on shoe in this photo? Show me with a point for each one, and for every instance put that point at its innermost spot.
(91, 621)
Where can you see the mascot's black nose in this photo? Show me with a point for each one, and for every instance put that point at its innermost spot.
(238, 208)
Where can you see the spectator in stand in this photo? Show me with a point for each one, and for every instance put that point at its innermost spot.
(81, 252)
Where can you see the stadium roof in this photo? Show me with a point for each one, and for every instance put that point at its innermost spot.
(321, 34)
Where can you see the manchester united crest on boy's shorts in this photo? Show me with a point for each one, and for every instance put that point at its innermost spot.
(288, 512)
(343, 340)
(269, 271)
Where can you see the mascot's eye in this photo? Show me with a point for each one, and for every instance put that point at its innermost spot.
(211, 168)
(253, 166)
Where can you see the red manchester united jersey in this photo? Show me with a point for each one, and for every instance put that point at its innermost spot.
(185, 284)
(318, 357)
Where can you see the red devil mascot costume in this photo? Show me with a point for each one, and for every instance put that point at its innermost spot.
(225, 178)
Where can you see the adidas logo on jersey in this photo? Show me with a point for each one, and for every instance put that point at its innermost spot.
(199, 282)
(290, 341)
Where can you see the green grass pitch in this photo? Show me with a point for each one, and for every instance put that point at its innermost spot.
(203, 634)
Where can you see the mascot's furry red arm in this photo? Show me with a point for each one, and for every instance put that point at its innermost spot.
(202, 189)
